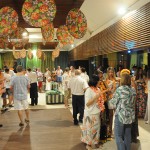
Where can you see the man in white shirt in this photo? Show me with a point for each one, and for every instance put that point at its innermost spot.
(11, 72)
(78, 87)
(72, 71)
(33, 87)
(8, 92)
(84, 75)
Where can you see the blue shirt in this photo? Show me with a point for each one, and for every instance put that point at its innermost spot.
(20, 87)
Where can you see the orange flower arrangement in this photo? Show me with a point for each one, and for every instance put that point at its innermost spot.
(35, 16)
(44, 8)
(14, 14)
(45, 22)
(14, 26)
(5, 9)
(27, 5)
(3, 22)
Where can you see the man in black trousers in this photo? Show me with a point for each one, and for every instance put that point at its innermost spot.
(78, 87)
(33, 87)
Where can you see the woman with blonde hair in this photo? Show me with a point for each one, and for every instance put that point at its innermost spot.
(124, 102)
(111, 83)
(134, 128)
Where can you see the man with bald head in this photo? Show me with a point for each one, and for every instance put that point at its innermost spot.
(78, 87)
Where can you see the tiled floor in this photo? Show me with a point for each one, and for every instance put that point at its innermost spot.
(144, 129)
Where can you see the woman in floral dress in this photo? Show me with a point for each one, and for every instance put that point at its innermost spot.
(104, 112)
(141, 99)
(91, 122)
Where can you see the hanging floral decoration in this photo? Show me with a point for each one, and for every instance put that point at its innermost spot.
(23, 53)
(39, 13)
(3, 42)
(55, 53)
(53, 58)
(64, 36)
(20, 37)
(43, 56)
(17, 55)
(48, 32)
(30, 54)
(14, 50)
(39, 53)
(60, 45)
(76, 23)
(8, 21)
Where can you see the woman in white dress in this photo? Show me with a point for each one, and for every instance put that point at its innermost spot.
(91, 122)
(48, 79)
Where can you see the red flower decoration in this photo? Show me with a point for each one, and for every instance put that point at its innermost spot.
(38, 13)
(48, 32)
(64, 36)
(76, 23)
(17, 38)
(8, 21)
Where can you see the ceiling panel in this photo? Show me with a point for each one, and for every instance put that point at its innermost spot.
(104, 11)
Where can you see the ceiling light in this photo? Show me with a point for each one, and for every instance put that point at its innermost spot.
(72, 45)
(24, 34)
(122, 11)
(129, 14)
(129, 51)
(34, 36)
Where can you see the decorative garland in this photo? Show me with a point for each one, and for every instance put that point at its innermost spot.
(17, 39)
(30, 55)
(39, 13)
(64, 36)
(76, 23)
(8, 21)
(48, 32)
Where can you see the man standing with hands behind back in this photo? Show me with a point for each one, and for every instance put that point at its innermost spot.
(78, 87)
